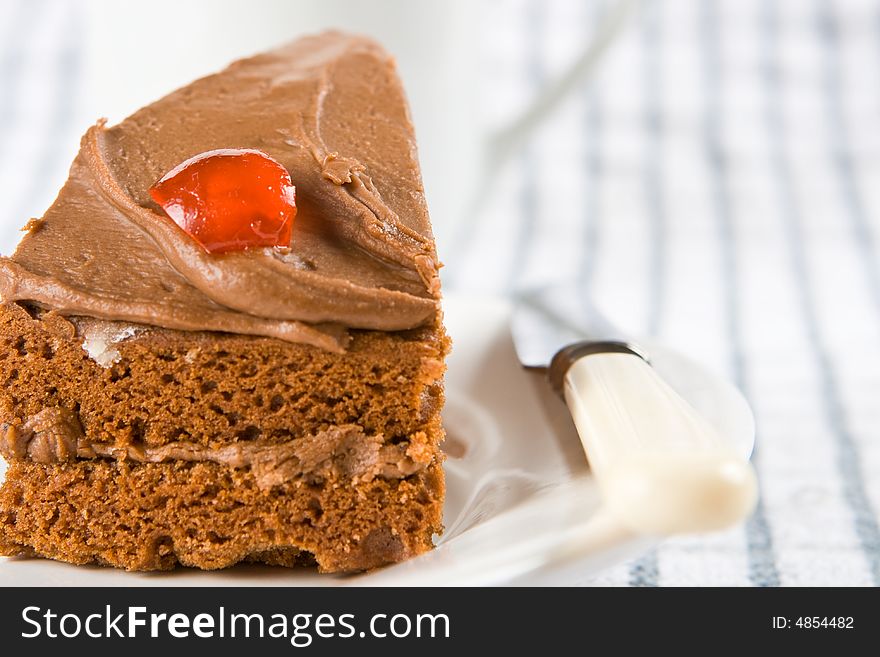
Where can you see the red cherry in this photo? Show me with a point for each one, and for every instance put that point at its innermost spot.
(229, 199)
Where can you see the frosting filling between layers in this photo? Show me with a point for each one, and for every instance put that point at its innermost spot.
(331, 110)
(54, 435)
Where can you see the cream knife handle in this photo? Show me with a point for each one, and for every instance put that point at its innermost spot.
(660, 466)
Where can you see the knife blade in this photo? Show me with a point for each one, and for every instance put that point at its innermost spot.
(660, 466)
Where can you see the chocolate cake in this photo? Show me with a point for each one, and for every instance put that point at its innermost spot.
(164, 403)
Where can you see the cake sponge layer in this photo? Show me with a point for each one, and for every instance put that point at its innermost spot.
(159, 386)
(153, 516)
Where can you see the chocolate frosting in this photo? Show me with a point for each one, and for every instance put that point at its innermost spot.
(331, 109)
(54, 435)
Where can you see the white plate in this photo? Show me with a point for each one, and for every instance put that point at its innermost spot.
(521, 505)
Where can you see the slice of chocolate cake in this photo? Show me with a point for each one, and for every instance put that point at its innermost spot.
(201, 366)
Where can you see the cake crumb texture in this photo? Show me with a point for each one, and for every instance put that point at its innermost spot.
(217, 388)
(155, 516)
(369, 495)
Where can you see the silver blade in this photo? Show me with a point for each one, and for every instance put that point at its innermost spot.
(547, 319)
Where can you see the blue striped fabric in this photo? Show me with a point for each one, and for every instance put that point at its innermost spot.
(714, 185)
(762, 567)
(41, 76)
(847, 450)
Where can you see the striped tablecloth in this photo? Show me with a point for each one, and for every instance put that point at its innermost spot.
(715, 185)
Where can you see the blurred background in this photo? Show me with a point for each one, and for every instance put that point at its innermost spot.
(712, 180)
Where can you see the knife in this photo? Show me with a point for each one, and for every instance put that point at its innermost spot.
(660, 466)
